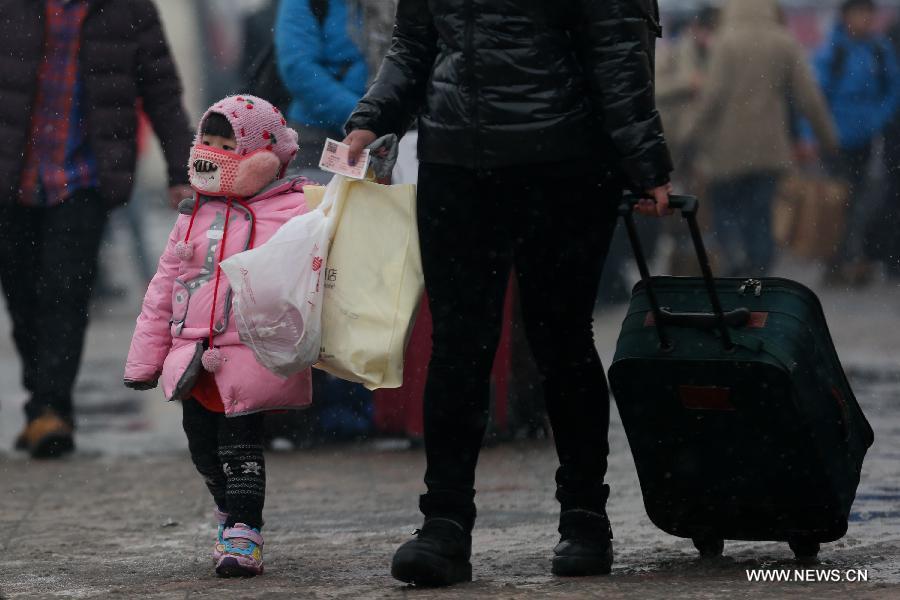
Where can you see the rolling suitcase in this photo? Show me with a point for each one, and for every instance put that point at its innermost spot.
(739, 415)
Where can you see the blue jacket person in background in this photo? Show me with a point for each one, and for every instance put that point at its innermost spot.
(858, 71)
(319, 57)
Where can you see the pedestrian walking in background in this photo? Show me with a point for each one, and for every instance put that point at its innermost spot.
(681, 76)
(318, 48)
(531, 117)
(758, 76)
(186, 334)
(71, 75)
(858, 71)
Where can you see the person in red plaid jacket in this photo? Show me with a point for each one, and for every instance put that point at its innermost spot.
(72, 73)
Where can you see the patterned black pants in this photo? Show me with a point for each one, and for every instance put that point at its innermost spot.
(228, 453)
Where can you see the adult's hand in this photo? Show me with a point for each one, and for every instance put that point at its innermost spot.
(177, 193)
(656, 204)
(358, 140)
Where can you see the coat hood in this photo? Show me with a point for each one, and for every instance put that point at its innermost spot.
(738, 13)
(285, 185)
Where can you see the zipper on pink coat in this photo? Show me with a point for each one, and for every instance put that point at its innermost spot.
(212, 358)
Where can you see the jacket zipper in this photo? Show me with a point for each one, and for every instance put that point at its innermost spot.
(229, 294)
(222, 325)
(473, 84)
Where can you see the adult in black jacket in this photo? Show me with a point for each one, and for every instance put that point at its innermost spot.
(531, 115)
(71, 75)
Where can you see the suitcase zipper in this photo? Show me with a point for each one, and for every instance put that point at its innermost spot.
(755, 284)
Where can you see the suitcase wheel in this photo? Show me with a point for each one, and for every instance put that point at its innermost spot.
(709, 547)
(805, 550)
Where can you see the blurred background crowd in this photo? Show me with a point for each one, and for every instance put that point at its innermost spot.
(826, 70)
(783, 116)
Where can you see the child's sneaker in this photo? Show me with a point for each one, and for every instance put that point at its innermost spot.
(242, 556)
(219, 548)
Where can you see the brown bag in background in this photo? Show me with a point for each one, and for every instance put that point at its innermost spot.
(810, 215)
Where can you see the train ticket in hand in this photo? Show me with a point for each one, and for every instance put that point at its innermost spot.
(335, 159)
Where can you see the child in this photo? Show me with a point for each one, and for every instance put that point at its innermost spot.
(186, 333)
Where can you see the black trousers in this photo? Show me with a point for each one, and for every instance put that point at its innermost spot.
(852, 167)
(884, 240)
(228, 453)
(48, 258)
(553, 225)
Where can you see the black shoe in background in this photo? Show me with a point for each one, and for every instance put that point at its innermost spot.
(438, 557)
(585, 546)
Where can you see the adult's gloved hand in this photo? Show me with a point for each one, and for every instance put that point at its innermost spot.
(383, 157)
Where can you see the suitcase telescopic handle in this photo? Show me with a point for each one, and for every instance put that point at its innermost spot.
(719, 319)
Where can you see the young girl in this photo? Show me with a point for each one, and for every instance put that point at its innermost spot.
(186, 332)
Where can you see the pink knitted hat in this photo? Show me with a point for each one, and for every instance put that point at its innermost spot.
(257, 125)
(265, 147)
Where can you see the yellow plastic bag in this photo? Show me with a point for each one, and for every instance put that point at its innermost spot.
(373, 284)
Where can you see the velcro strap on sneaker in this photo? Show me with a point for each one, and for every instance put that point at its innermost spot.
(243, 533)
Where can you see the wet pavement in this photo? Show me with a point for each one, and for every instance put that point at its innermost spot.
(126, 516)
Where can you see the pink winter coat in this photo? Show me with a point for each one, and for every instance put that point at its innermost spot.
(175, 318)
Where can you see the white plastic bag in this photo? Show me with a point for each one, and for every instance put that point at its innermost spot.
(279, 287)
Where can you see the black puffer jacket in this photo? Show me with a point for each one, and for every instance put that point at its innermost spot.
(506, 82)
(123, 57)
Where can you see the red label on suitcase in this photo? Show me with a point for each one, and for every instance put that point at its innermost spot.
(695, 397)
(757, 320)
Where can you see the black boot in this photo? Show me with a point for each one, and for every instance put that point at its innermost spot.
(438, 557)
(585, 547)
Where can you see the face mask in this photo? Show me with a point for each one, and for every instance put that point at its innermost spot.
(216, 172)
